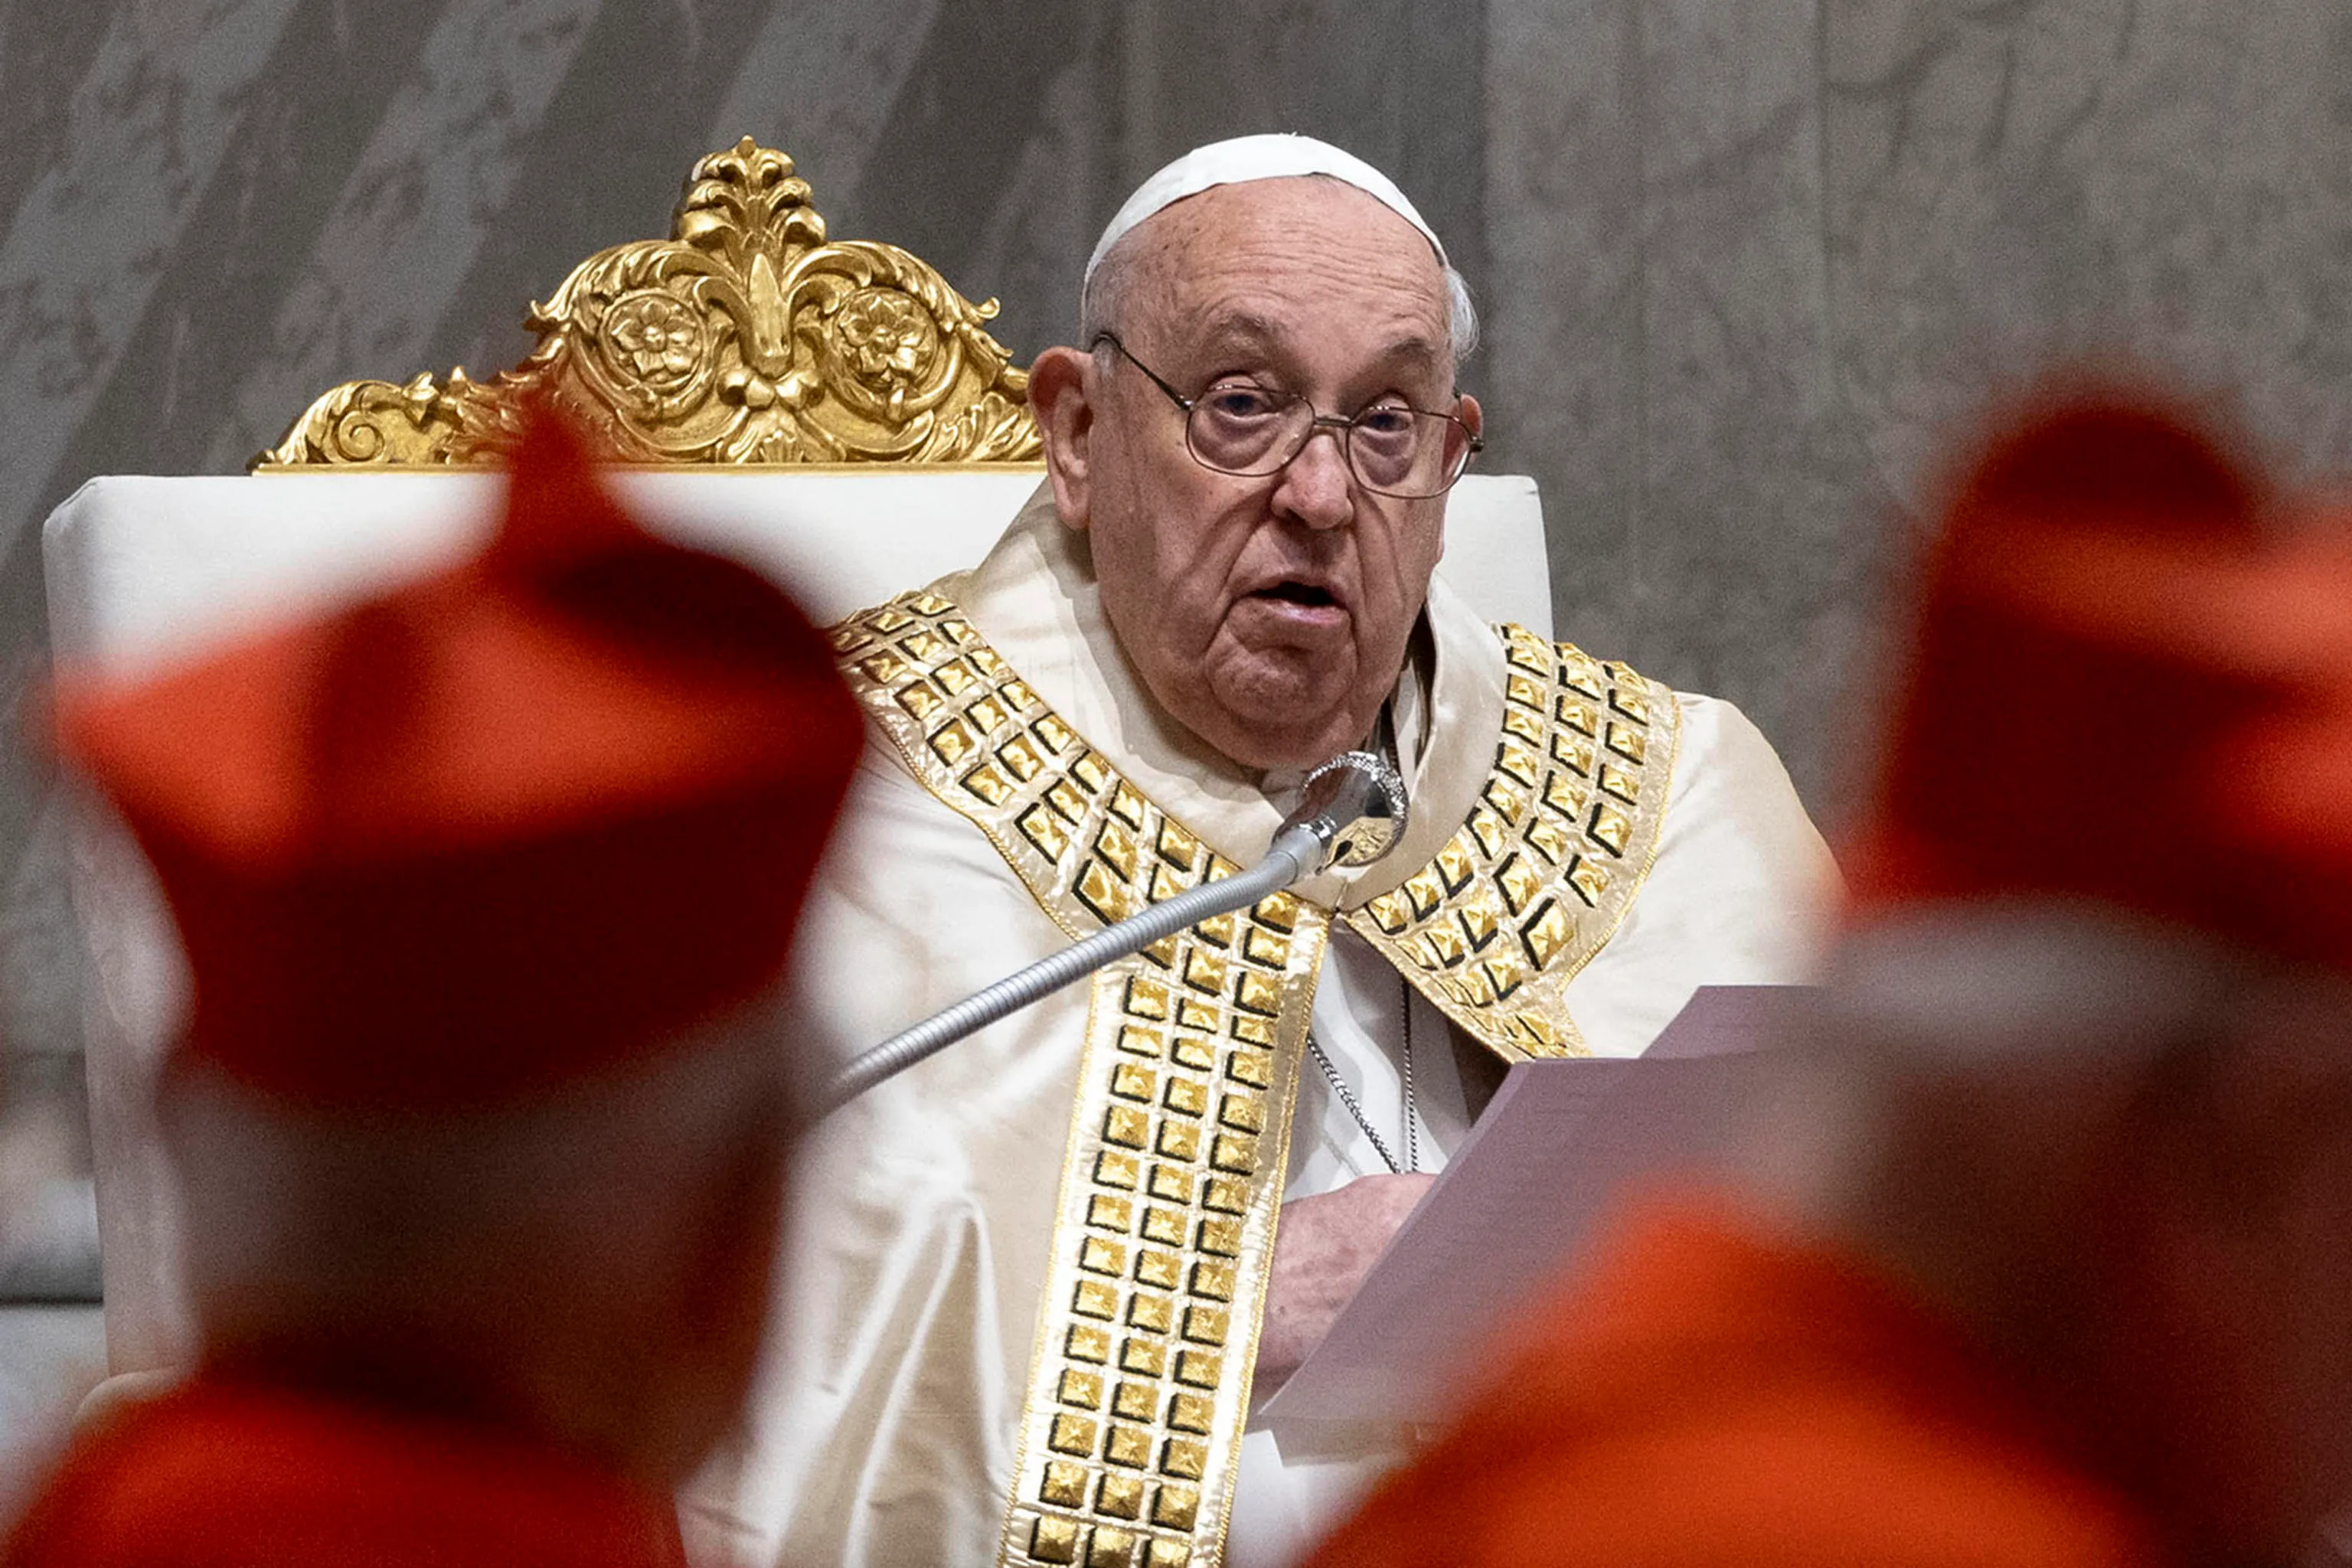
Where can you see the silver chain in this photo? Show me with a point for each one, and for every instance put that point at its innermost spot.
(1347, 1098)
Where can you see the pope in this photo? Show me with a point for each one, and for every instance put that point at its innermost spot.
(1043, 1280)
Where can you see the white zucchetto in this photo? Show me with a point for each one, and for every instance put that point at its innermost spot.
(1274, 155)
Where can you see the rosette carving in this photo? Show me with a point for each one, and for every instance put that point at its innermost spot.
(746, 337)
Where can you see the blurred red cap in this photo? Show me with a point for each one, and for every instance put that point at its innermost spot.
(2118, 687)
(494, 831)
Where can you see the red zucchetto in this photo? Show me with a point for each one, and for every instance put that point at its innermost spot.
(2126, 662)
(492, 831)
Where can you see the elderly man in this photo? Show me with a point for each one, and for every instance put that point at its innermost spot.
(1041, 1291)
(483, 885)
(2065, 1276)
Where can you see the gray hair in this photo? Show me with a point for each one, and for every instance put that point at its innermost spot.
(306, 1216)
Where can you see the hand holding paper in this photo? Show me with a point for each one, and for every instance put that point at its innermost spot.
(1558, 1144)
(1323, 1247)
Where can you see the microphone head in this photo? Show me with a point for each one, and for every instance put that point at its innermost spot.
(1355, 807)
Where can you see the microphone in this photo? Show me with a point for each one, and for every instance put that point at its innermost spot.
(1351, 812)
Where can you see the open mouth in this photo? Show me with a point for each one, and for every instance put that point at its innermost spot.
(1296, 592)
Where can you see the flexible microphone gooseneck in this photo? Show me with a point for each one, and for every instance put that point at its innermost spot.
(1352, 813)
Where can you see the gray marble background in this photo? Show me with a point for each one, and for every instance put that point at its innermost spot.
(1747, 267)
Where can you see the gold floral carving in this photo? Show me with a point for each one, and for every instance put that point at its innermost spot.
(745, 338)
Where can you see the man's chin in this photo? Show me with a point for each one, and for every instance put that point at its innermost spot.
(1267, 735)
(1279, 708)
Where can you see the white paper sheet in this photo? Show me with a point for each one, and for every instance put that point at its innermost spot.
(1558, 1147)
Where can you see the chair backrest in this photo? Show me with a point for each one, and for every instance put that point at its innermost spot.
(370, 484)
(144, 571)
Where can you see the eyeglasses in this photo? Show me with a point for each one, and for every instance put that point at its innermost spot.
(1392, 449)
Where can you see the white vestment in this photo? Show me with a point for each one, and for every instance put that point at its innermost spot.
(921, 1215)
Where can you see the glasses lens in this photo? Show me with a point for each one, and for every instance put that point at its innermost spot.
(1245, 429)
(1407, 452)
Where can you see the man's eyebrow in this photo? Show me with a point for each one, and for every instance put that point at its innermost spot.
(1238, 330)
(1245, 331)
(1418, 351)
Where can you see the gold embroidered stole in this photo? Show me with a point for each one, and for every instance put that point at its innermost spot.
(1542, 874)
(1179, 1137)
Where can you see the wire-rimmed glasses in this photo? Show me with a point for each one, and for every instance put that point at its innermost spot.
(1241, 427)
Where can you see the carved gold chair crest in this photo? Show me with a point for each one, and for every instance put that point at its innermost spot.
(745, 338)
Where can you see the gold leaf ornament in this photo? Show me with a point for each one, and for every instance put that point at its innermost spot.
(746, 338)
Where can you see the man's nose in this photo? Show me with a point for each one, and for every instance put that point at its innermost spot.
(1317, 486)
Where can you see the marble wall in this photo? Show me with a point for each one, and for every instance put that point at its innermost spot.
(1745, 267)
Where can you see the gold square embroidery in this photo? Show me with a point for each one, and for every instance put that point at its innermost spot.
(1067, 802)
(1235, 1151)
(1055, 1541)
(1072, 1435)
(1135, 1401)
(1258, 993)
(1066, 1484)
(1127, 1126)
(1019, 757)
(1185, 1457)
(1262, 946)
(1176, 1507)
(1121, 1497)
(1128, 1445)
(1038, 826)
(1146, 999)
(988, 785)
(1191, 1413)
(1214, 1281)
(1116, 846)
(1206, 1325)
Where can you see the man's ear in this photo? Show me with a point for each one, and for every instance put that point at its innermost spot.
(1473, 416)
(1061, 398)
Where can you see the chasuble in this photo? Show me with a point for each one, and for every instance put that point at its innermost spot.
(1023, 1279)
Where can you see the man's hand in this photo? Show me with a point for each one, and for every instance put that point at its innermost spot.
(1322, 1250)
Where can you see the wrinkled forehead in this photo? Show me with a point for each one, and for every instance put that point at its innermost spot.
(1299, 252)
